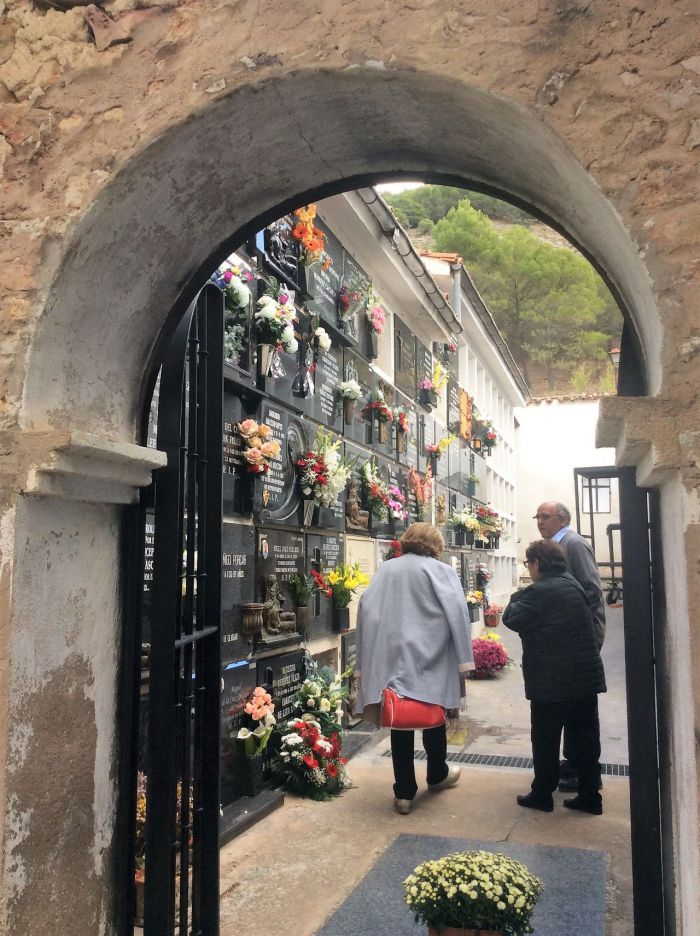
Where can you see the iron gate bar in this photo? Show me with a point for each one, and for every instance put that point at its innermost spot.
(645, 809)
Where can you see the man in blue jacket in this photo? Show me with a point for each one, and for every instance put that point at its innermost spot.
(554, 523)
(563, 675)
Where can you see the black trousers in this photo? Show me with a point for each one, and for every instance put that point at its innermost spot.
(547, 720)
(435, 744)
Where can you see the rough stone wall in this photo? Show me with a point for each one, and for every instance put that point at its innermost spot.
(617, 80)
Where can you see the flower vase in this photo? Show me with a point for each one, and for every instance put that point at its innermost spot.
(469, 538)
(302, 615)
(252, 619)
(309, 508)
(250, 774)
(348, 409)
(461, 931)
(427, 398)
(400, 441)
(459, 537)
(434, 459)
(491, 620)
(382, 431)
(265, 352)
(341, 619)
(372, 345)
(473, 613)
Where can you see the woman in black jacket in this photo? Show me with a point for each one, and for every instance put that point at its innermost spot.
(563, 675)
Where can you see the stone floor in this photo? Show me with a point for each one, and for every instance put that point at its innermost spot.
(291, 871)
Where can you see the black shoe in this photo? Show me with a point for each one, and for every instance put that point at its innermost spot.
(533, 801)
(594, 807)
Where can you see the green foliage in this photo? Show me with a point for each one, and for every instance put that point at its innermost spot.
(432, 202)
(550, 304)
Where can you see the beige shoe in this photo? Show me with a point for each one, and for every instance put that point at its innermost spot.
(402, 806)
(453, 772)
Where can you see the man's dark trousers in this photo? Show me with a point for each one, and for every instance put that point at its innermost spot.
(547, 720)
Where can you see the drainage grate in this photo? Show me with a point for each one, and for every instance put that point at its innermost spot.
(498, 760)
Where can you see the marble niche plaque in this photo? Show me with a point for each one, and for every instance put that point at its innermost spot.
(357, 517)
(239, 679)
(279, 495)
(323, 284)
(283, 674)
(424, 364)
(280, 553)
(238, 484)
(325, 405)
(362, 551)
(237, 586)
(355, 368)
(404, 358)
(452, 391)
(323, 553)
(353, 321)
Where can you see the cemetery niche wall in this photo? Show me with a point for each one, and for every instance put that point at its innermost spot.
(301, 335)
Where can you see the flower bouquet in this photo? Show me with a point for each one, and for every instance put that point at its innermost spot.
(477, 889)
(340, 584)
(378, 410)
(397, 503)
(475, 600)
(422, 490)
(308, 763)
(235, 284)
(465, 525)
(258, 446)
(377, 320)
(375, 491)
(322, 473)
(490, 656)
(491, 525)
(258, 722)
(394, 551)
(273, 321)
(402, 428)
(310, 237)
(349, 392)
(321, 695)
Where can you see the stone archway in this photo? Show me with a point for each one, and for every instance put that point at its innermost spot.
(139, 252)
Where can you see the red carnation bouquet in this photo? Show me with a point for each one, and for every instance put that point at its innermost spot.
(308, 762)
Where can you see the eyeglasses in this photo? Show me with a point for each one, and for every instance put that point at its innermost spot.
(546, 516)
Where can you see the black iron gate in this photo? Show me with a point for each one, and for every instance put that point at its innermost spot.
(181, 760)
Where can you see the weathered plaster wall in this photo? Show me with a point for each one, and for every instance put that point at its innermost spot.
(124, 170)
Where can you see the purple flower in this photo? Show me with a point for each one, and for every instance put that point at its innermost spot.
(228, 276)
(283, 299)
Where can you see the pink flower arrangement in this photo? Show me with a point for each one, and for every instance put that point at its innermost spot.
(425, 384)
(258, 447)
(490, 656)
(397, 503)
(376, 318)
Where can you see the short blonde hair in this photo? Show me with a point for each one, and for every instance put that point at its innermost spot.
(423, 539)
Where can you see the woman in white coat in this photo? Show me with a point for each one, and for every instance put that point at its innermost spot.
(413, 635)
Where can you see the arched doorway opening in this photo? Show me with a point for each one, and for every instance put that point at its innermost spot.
(140, 254)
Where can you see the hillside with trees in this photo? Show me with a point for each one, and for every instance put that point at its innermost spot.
(554, 310)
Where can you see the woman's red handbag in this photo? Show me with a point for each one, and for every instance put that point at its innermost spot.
(404, 714)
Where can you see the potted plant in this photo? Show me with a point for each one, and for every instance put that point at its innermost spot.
(273, 321)
(253, 735)
(322, 474)
(377, 410)
(301, 587)
(475, 600)
(349, 392)
(490, 656)
(465, 526)
(376, 318)
(472, 893)
(492, 614)
(340, 584)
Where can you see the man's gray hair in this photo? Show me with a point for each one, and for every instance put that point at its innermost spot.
(564, 511)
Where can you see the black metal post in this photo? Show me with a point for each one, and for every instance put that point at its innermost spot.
(645, 812)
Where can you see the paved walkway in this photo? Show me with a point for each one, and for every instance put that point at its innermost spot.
(291, 871)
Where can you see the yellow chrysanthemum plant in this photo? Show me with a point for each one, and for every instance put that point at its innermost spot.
(477, 889)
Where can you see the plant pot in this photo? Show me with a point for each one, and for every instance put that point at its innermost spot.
(250, 774)
(341, 620)
(401, 441)
(302, 614)
(469, 538)
(479, 543)
(492, 620)
(265, 352)
(473, 614)
(459, 537)
(372, 345)
(427, 398)
(348, 409)
(462, 931)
